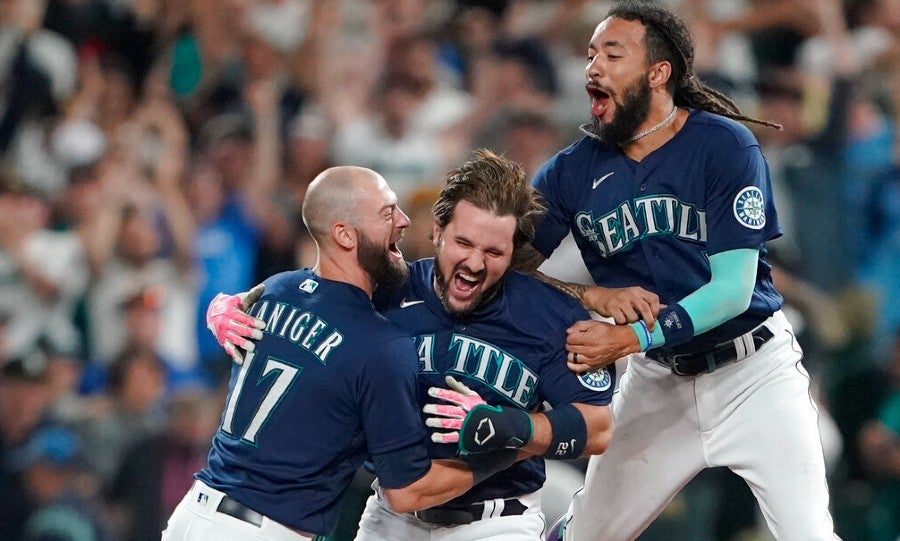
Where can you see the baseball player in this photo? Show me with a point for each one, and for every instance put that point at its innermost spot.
(331, 383)
(670, 203)
(502, 334)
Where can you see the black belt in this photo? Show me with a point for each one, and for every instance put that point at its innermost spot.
(692, 364)
(457, 516)
(233, 508)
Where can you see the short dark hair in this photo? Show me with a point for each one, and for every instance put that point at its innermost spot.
(496, 184)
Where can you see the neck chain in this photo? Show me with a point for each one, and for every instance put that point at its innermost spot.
(662, 123)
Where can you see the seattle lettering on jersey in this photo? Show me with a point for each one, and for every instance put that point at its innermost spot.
(475, 358)
(638, 218)
(301, 328)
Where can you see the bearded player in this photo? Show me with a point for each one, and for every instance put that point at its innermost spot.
(330, 384)
(501, 333)
(670, 203)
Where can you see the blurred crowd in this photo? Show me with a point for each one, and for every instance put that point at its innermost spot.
(156, 152)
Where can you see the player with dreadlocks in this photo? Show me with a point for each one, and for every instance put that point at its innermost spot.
(669, 199)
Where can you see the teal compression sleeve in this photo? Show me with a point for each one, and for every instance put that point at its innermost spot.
(726, 295)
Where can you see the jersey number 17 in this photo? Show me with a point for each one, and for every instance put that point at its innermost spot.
(284, 374)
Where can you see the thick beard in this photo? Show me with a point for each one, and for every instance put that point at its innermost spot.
(440, 282)
(631, 112)
(376, 261)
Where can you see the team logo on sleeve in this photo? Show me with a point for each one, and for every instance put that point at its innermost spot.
(597, 379)
(749, 208)
(309, 285)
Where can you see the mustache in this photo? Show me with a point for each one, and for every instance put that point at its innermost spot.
(466, 270)
(593, 88)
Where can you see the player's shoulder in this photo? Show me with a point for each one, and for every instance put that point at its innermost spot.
(570, 165)
(286, 281)
(527, 294)
(420, 270)
(720, 129)
(581, 148)
(304, 283)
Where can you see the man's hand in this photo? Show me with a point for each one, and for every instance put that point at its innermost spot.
(595, 344)
(226, 317)
(447, 416)
(477, 427)
(623, 304)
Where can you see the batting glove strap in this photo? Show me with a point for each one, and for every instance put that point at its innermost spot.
(484, 465)
(569, 433)
(491, 428)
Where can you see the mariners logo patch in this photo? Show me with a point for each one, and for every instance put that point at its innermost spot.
(749, 208)
(597, 379)
(309, 285)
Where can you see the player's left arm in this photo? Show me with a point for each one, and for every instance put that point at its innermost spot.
(566, 432)
(726, 295)
(570, 431)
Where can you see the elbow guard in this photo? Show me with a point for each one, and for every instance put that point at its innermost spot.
(569, 433)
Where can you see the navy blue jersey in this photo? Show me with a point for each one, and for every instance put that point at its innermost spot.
(654, 223)
(511, 351)
(330, 383)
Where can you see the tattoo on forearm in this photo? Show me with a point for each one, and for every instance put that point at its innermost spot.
(570, 288)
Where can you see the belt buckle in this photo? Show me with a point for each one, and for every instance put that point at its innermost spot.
(674, 365)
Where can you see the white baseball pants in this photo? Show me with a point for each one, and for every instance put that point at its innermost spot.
(380, 523)
(754, 416)
(196, 519)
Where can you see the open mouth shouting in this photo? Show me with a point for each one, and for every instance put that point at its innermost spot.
(394, 249)
(465, 285)
(462, 291)
(600, 99)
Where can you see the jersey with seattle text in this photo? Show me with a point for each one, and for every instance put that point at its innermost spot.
(331, 382)
(654, 223)
(511, 351)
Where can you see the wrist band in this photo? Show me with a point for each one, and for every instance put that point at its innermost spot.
(645, 339)
(569, 433)
(677, 325)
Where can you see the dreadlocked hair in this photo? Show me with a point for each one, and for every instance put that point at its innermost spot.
(668, 39)
(496, 184)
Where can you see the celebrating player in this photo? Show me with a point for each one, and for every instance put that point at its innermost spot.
(331, 383)
(669, 201)
(502, 333)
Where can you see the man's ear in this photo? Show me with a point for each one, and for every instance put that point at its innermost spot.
(344, 235)
(659, 74)
(435, 234)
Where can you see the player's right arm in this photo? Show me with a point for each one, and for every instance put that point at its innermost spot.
(389, 409)
(447, 479)
(622, 304)
(568, 431)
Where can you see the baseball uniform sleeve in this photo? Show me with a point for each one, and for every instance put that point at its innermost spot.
(740, 209)
(557, 384)
(389, 408)
(553, 184)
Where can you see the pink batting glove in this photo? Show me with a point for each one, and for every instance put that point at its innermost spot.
(227, 319)
(447, 416)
